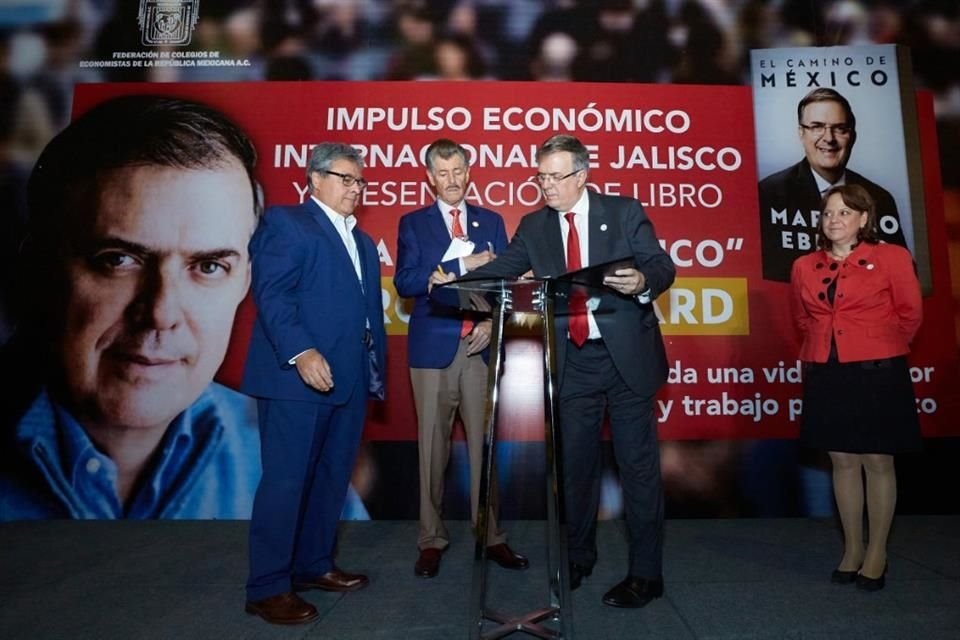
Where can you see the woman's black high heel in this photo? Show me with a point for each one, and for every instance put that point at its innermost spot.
(872, 584)
(844, 577)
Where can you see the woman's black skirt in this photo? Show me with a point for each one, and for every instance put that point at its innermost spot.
(860, 407)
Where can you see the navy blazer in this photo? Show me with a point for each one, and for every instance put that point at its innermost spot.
(307, 295)
(422, 239)
(618, 227)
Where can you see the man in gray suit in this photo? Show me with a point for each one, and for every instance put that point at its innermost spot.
(610, 358)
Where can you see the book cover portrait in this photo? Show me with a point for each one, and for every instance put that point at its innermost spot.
(834, 115)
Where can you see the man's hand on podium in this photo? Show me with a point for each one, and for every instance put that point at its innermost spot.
(475, 260)
(439, 277)
(628, 282)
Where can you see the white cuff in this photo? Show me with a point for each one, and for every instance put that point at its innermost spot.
(293, 360)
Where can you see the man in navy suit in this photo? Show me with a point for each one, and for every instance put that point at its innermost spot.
(315, 356)
(447, 351)
(613, 362)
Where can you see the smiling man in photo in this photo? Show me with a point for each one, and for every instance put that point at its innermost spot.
(790, 199)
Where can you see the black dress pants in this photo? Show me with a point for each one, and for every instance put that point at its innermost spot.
(592, 387)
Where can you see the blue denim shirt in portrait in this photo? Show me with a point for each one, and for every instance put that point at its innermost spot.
(206, 466)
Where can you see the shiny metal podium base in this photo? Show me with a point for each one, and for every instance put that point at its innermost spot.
(524, 296)
(527, 623)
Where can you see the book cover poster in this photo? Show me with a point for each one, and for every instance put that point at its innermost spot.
(834, 115)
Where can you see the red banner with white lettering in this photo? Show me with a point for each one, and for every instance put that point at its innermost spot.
(686, 152)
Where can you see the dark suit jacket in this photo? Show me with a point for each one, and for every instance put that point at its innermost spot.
(434, 331)
(794, 191)
(618, 227)
(307, 295)
(876, 309)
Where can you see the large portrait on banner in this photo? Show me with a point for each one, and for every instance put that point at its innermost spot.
(835, 115)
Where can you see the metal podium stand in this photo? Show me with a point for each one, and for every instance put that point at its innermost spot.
(503, 297)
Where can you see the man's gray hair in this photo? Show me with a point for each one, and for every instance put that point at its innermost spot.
(563, 142)
(446, 149)
(326, 153)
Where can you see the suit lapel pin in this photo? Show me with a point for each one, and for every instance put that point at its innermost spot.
(603, 227)
(475, 224)
(869, 267)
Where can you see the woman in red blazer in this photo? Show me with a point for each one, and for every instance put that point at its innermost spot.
(857, 304)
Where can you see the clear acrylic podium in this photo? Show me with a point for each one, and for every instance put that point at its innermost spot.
(502, 297)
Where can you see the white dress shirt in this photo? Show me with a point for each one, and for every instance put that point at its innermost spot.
(445, 210)
(345, 226)
(825, 186)
(581, 216)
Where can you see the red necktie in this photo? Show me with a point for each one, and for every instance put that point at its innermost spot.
(579, 330)
(457, 232)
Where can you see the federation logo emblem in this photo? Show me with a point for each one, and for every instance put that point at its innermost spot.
(167, 22)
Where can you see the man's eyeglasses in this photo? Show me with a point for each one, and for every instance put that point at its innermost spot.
(549, 178)
(817, 129)
(347, 179)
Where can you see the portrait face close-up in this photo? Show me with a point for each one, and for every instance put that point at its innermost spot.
(561, 190)
(449, 178)
(827, 142)
(840, 222)
(331, 190)
(154, 280)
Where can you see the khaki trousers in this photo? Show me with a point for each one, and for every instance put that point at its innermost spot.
(437, 395)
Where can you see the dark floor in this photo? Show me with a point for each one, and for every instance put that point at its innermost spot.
(744, 578)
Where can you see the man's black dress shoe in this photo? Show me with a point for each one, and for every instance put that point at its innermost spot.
(506, 557)
(577, 573)
(634, 592)
(843, 577)
(428, 564)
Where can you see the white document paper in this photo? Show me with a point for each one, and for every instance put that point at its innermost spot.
(459, 248)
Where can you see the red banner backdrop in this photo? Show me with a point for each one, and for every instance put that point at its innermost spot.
(686, 152)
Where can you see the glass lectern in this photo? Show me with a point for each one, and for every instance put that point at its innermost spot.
(501, 297)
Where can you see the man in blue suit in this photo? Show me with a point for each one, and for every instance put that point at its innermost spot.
(446, 350)
(316, 354)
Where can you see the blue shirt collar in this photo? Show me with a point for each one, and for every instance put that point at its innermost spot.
(86, 478)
